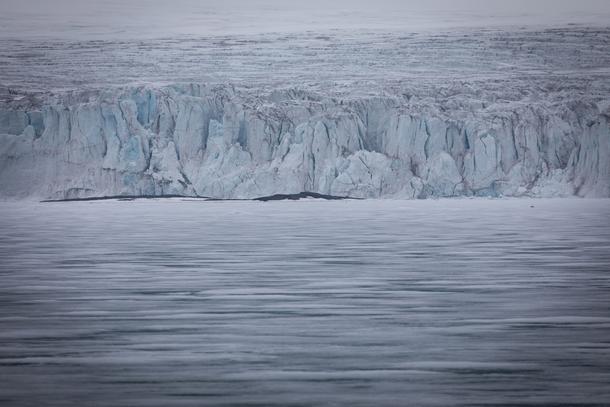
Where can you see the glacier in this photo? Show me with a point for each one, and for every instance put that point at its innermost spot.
(224, 142)
(367, 115)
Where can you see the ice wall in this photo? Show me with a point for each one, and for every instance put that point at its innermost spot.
(217, 141)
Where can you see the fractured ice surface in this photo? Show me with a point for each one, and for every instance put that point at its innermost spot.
(209, 141)
(423, 121)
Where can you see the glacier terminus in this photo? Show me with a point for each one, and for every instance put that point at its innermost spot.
(294, 203)
(487, 113)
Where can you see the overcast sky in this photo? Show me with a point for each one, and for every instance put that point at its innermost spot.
(91, 18)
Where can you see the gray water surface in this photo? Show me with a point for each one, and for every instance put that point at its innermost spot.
(342, 303)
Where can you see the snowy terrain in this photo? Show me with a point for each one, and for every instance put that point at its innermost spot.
(142, 19)
(449, 109)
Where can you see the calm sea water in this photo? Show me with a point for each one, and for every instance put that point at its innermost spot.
(343, 303)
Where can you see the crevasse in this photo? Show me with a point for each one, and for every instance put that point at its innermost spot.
(219, 142)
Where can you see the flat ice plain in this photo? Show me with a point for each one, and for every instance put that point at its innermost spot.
(352, 303)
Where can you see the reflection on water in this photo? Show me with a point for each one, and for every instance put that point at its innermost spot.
(350, 303)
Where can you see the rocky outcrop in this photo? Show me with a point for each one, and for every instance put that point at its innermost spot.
(220, 142)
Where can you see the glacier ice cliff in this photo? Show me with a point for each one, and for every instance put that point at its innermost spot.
(226, 142)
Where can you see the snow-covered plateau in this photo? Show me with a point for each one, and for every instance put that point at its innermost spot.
(494, 112)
